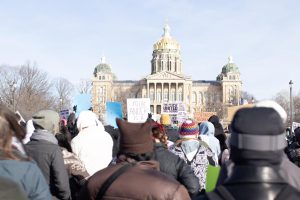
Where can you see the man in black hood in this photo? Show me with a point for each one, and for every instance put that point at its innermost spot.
(256, 148)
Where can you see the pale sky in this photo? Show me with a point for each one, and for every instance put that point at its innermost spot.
(68, 38)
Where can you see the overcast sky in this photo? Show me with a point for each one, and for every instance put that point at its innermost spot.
(68, 38)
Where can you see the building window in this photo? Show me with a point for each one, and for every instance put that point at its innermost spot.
(194, 97)
(103, 77)
(151, 95)
(158, 109)
(99, 77)
(166, 95)
(180, 96)
(200, 97)
(173, 95)
(158, 96)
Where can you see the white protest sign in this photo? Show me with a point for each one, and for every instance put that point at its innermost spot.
(138, 109)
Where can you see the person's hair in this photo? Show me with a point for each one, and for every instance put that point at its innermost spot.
(63, 141)
(9, 127)
(158, 132)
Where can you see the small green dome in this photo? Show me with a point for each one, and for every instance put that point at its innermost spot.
(230, 67)
(102, 67)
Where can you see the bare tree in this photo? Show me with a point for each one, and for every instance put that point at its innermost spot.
(84, 86)
(26, 89)
(64, 90)
(247, 96)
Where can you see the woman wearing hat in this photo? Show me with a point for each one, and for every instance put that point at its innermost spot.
(193, 151)
(171, 164)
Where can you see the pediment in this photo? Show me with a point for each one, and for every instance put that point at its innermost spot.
(166, 76)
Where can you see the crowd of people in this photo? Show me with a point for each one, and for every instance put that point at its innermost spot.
(83, 158)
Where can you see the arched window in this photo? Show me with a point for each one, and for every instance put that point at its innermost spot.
(158, 96)
(166, 95)
(194, 97)
(173, 95)
(151, 95)
(200, 97)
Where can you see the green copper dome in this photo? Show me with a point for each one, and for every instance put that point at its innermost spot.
(104, 68)
(230, 67)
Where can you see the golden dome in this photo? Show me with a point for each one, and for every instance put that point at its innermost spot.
(166, 42)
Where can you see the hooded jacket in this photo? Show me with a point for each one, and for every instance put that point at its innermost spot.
(44, 150)
(196, 154)
(207, 132)
(93, 145)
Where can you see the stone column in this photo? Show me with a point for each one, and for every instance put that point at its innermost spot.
(148, 90)
(155, 92)
(176, 92)
(169, 91)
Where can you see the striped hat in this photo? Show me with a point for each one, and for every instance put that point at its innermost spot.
(188, 128)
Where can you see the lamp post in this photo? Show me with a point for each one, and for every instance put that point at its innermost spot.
(291, 104)
(13, 87)
(60, 104)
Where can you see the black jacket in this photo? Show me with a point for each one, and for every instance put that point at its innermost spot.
(255, 182)
(175, 167)
(44, 150)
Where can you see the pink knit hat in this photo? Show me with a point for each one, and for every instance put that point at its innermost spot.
(188, 128)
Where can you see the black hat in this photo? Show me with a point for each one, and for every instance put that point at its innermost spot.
(257, 134)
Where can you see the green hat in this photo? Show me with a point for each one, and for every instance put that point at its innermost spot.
(47, 120)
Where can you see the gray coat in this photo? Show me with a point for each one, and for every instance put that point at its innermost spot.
(44, 150)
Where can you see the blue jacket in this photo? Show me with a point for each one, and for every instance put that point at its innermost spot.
(28, 176)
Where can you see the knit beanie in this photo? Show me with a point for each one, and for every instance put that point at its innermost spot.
(135, 137)
(47, 120)
(188, 128)
(257, 136)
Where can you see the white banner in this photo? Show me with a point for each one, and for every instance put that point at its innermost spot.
(138, 109)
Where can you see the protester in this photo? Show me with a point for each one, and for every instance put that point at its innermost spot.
(72, 125)
(114, 133)
(75, 168)
(257, 142)
(215, 120)
(207, 132)
(93, 145)
(171, 164)
(193, 151)
(293, 150)
(43, 148)
(140, 177)
(15, 167)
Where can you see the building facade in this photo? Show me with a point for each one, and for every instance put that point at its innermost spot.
(167, 83)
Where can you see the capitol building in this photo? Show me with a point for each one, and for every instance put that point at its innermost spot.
(167, 83)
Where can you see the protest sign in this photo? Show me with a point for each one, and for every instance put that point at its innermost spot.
(113, 111)
(138, 109)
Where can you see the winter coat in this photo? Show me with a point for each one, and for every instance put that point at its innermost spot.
(93, 145)
(291, 151)
(44, 150)
(26, 175)
(198, 155)
(207, 132)
(115, 135)
(140, 182)
(255, 182)
(10, 189)
(291, 173)
(76, 171)
(176, 168)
